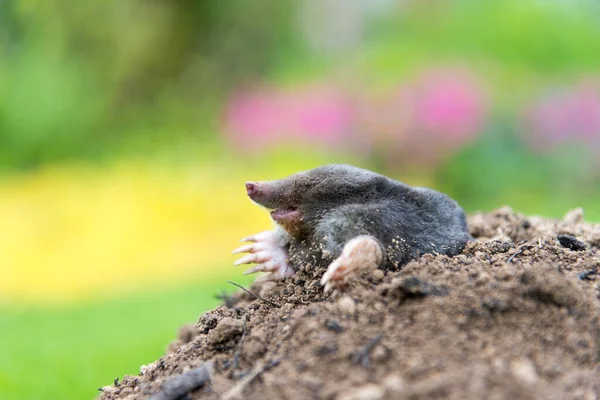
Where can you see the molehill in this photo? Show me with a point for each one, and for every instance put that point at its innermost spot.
(515, 315)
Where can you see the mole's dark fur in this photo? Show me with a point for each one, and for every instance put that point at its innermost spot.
(323, 208)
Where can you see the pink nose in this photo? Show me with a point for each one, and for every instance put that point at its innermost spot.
(251, 188)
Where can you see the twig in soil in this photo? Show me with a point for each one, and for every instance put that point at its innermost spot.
(514, 255)
(181, 384)
(518, 253)
(237, 390)
(362, 356)
(254, 295)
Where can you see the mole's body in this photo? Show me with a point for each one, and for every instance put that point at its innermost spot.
(351, 220)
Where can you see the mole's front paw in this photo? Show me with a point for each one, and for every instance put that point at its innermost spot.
(267, 251)
(360, 255)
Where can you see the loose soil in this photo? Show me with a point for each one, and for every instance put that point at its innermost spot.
(516, 315)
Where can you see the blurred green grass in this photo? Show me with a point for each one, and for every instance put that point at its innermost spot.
(69, 352)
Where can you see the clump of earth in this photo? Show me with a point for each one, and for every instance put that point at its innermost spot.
(515, 315)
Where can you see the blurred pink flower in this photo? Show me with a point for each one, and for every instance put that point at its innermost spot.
(449, 105)
(563, 115)
(266, 117)
(422, 121)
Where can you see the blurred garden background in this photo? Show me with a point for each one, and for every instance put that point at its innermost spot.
(127, 130)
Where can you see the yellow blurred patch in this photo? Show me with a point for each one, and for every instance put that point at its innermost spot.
(71, 232)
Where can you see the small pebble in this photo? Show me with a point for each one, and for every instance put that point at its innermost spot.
(393, 383)
(346, 306)
(366, 392)
(312, 382)
(524, 370)
(376, 275)
(379, 354)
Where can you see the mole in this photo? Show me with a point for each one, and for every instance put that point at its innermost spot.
(350, 221)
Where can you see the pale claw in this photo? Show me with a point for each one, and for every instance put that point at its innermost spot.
(266, 237)
(268, 251)
(264, 267)
(360, 255)
(254, 258)
(247, 248)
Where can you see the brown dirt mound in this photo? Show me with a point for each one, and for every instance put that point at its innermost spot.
(516, 315)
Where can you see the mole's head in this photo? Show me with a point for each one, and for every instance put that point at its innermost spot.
(299, 201)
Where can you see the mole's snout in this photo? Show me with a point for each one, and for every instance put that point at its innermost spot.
(261, 193)
(252, 188)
